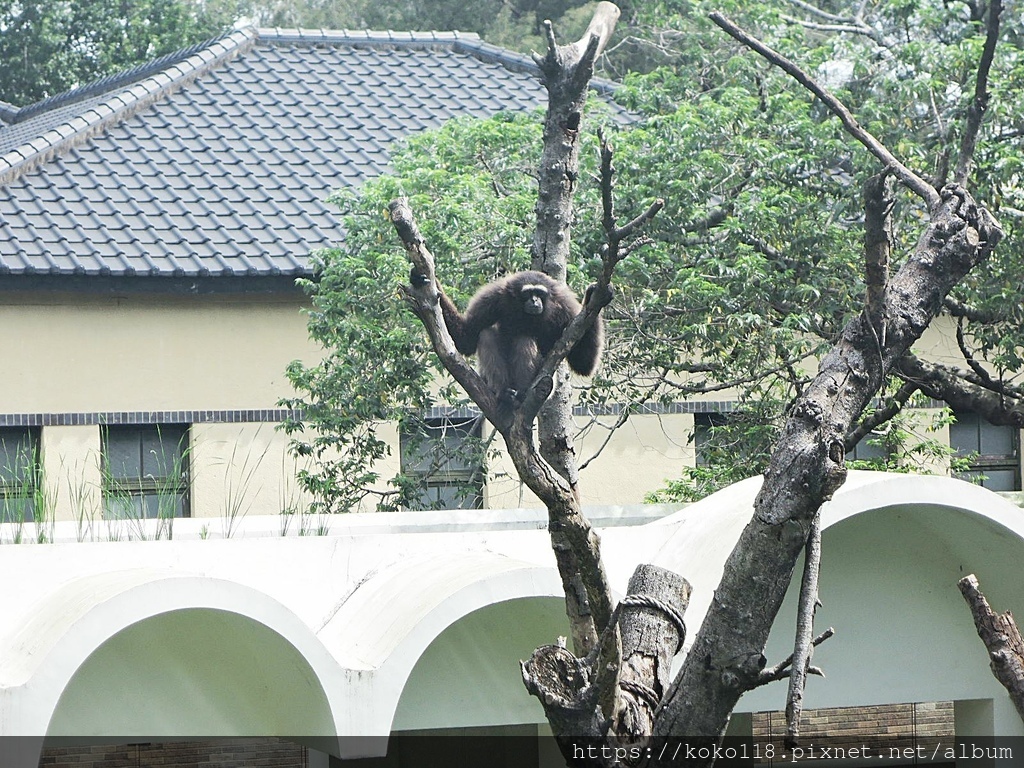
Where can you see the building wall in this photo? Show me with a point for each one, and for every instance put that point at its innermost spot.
(82, 354)
(640, 457)
(75, 361)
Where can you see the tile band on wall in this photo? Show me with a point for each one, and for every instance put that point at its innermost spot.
(271, 415)
(277, 415)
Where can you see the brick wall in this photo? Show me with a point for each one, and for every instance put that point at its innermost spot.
(217, 753)
(875, 726)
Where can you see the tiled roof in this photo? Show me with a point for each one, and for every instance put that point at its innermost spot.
(217, 160)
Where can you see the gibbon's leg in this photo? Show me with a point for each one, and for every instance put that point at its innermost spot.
(523, 360)
(508, 365)
(491, 359)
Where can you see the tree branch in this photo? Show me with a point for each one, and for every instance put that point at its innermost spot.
(424, 300)
(919, 186)
(804, 645)
(1002, 638)
(878, 203)
(982, 375)
(781, 670)
(957, 308)
(807, 465)
(879, 416)
(1001, 408)
(980, 102)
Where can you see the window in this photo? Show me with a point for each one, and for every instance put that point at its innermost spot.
(994, 451)
(145, 471)
(445, 456)
(19, 473)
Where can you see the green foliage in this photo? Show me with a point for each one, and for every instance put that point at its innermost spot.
(755, 264)
(50, 46)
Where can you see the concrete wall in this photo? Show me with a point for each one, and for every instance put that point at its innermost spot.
(398, 624)
(81, 354)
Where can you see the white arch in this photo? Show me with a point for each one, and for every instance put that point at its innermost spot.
(390, 620)
(868, 491)
(80, 616)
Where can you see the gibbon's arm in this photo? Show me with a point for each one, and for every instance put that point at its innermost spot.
(457, 325)
(484, 310)
(584, 357)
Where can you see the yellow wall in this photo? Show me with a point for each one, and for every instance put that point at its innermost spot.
(639, 458)
(73, 353)
(78, 354)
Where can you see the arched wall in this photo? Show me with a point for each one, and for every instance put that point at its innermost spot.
(194, 671)
(94, 627)
(469, 675)
(388, 624)
(891, 559)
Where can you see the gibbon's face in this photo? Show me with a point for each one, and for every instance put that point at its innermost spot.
(533, 298)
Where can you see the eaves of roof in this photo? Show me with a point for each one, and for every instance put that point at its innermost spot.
(217, 160)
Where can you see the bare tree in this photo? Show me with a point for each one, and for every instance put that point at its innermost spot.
(613, 687)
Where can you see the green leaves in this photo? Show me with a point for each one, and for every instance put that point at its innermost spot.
(50, 46)
(754, 265)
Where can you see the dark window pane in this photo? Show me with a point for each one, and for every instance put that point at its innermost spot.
(996, 451)
(446, 453)
(122, 506)
(16, 509)
(122, 451)
(162, 451)
(444, 446)
(164, 505)
(17, 455)
(1001, 480)
(704, 425)
(457, 496)
(996, 441)
(963, 434)
(147, 471)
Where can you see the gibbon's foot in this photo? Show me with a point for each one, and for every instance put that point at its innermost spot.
(417, 279)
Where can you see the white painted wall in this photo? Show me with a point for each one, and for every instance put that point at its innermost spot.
(384, 626)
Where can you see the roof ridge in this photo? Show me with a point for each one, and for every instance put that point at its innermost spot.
(461, 42)
(116, 79)
(520, 61)
(369, 36)
(8, 112)
(173, 73)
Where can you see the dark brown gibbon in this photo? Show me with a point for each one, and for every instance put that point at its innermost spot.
(512, 323)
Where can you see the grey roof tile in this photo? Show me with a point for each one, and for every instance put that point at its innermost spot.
(217, 160)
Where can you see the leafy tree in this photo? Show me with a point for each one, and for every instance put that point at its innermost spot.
(755, 265)
(50, 46)
(785, 246)
(906, 70)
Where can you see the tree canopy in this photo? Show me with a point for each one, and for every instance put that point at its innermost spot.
(50, 46)
(755, 265)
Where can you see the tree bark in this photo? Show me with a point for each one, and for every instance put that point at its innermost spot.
(1002, 638)
(653, 632)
